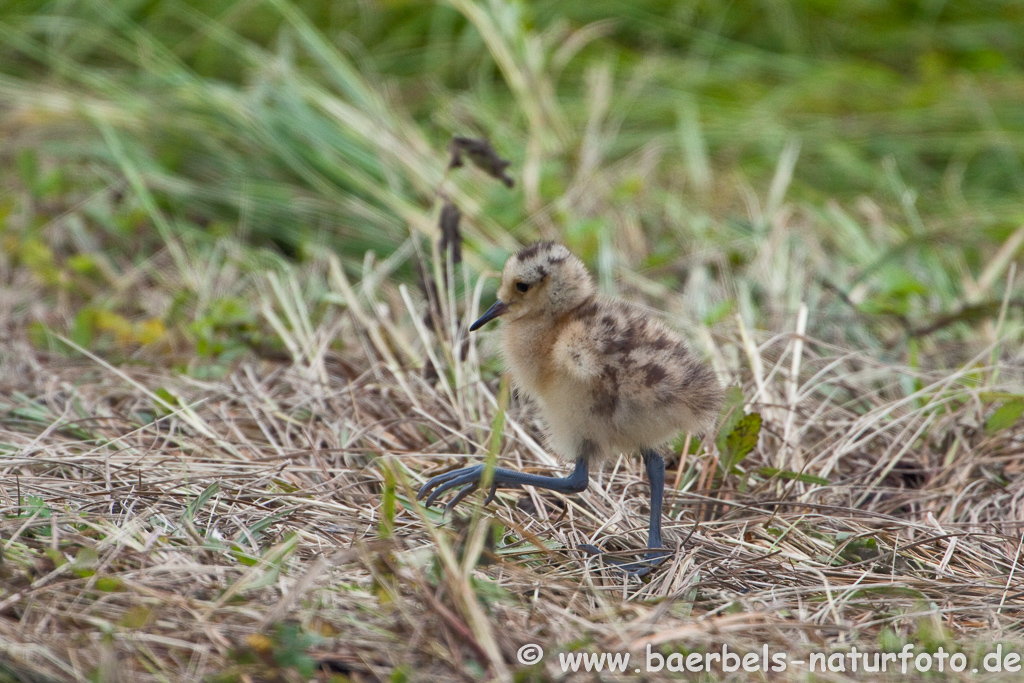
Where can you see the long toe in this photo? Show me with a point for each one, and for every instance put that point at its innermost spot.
(493, 492)
(647, 565)
(449, 480)
(443, 483)
(461, 494)
(442, 478)
(636, 568)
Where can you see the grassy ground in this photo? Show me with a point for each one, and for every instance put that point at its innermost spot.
(223, 372)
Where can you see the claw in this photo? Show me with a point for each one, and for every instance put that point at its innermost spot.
(490, 496)
(433, 495)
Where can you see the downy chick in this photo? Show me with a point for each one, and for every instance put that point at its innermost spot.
(608, 378)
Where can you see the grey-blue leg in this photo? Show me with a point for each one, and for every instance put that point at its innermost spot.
(655, 466)
(469, 479)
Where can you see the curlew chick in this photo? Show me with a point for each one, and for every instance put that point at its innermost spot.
(608, 379)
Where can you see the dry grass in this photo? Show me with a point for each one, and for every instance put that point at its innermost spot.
(258, 527)
(853, 199)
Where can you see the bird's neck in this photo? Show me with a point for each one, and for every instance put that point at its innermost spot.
(526, 346)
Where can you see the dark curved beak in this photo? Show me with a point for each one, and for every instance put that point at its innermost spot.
(493, 312)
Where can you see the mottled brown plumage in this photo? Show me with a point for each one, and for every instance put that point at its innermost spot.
(602, 370)
(608, 377)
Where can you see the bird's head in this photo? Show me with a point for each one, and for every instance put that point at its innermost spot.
(543, 279)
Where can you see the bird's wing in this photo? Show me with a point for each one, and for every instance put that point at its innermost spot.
(576, 352)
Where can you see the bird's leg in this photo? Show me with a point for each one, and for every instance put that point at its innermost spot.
(655, 466)
(469, 479)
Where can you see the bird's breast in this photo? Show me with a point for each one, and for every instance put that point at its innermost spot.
(527, 352)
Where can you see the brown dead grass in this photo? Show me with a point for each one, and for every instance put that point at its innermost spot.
(113, 572)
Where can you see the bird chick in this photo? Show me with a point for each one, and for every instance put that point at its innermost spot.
(608, 378)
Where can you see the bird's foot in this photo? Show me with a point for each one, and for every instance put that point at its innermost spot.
(468, 478)
(636, 568)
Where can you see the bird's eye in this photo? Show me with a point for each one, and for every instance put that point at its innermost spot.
(522, 286)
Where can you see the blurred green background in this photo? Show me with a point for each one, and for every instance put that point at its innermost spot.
(864, 157)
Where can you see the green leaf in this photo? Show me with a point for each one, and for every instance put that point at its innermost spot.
(769, 472)
(35, 505)
(86, 558)
(138, 616)
(84, 328)
(995, 396)
(200, 501)
(732, 413)
(718, 313)
(860, 550)
(257, 528)
(244, 558)
(109, 584)
(433, 514)
(167, 401)
(56, 556)
(1005, 416)
(291, 645)
(888, 641)
(740, 441)
(680, 441)
(274, 559)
